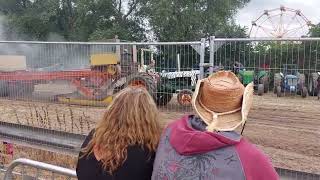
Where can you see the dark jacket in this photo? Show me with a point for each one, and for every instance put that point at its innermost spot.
(187, 151)
(138, 165)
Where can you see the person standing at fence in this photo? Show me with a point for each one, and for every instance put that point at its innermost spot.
(123, 144)
(206, 145)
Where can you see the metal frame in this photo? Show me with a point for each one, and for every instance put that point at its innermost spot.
(40, 138)
(38, 165)
(264, 39)
(105, 43)
(59, 141)
(73, 149)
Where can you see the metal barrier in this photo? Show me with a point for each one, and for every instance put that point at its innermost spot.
(65, 86)
(36, 76)
(54, 171)
(286, 174)
(298, 57)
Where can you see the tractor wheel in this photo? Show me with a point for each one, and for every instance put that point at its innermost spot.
(301, 83)
(185, 97)
(277, 82)
(265, 82)
(312, 84)
(279, 93)
(146, 81)
(260, 89)
(304, 92)
(4, 89)
(163, 98)
(240, 78)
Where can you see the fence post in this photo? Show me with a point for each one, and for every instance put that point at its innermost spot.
(212, 38)
(202, 54)
(134, 54)
(118, 49)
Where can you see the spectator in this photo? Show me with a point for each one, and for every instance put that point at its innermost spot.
(123, 144)
(206, 145)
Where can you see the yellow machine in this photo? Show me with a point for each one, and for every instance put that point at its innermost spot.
(108, 62)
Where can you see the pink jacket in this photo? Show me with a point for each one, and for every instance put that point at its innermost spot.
(187, 151)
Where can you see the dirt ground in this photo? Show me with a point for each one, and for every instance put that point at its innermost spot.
(286, 128)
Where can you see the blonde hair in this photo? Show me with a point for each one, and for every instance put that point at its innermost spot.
(131, 119)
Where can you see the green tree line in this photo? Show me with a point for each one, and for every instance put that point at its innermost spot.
(131, 20)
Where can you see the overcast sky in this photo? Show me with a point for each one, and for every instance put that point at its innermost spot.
(310, 8)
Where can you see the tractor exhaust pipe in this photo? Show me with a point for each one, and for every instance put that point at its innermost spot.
(178, 63)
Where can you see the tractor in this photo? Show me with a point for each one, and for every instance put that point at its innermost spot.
(259, 77)
(181, 82)
(290, 80)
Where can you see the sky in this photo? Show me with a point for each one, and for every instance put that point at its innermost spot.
(310, 8)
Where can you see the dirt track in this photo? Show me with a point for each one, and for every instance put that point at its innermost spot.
(286, 128)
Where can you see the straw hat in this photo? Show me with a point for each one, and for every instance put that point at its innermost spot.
(222, 102)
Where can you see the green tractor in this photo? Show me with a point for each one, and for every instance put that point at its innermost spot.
(259, 77)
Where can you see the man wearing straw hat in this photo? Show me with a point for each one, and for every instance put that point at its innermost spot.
(207, 146)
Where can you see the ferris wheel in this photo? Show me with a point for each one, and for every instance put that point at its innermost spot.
(280, 23)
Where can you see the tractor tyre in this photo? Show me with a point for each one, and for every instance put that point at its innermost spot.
(266, 83)
(185, 97)
(277, 82)
(163, 98)
(146, 81)
(279, 93)
(4, 91)
(304, 92)
(301, 83)
(260, 89)
(313, 84)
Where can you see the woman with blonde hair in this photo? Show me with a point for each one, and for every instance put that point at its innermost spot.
(123, 144)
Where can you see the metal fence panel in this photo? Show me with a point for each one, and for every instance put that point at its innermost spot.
(63, 89)
(72, 73)
(296, 57)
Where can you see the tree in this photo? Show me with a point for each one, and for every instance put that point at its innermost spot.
(76, 20)
(188, 20)
(315, 31)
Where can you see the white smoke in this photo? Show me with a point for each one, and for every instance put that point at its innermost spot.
(44, 55)
(2, 33)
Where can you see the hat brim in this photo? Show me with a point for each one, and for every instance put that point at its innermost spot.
(227, 121)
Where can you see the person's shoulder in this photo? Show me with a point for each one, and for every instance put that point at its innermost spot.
(139, 153)
(256, 164)
(177, 121)
(248, 149)
(88, 138)
(140, 149)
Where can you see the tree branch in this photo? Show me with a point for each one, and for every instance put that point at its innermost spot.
(24, 3)
(133, 7)
(120, 6)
